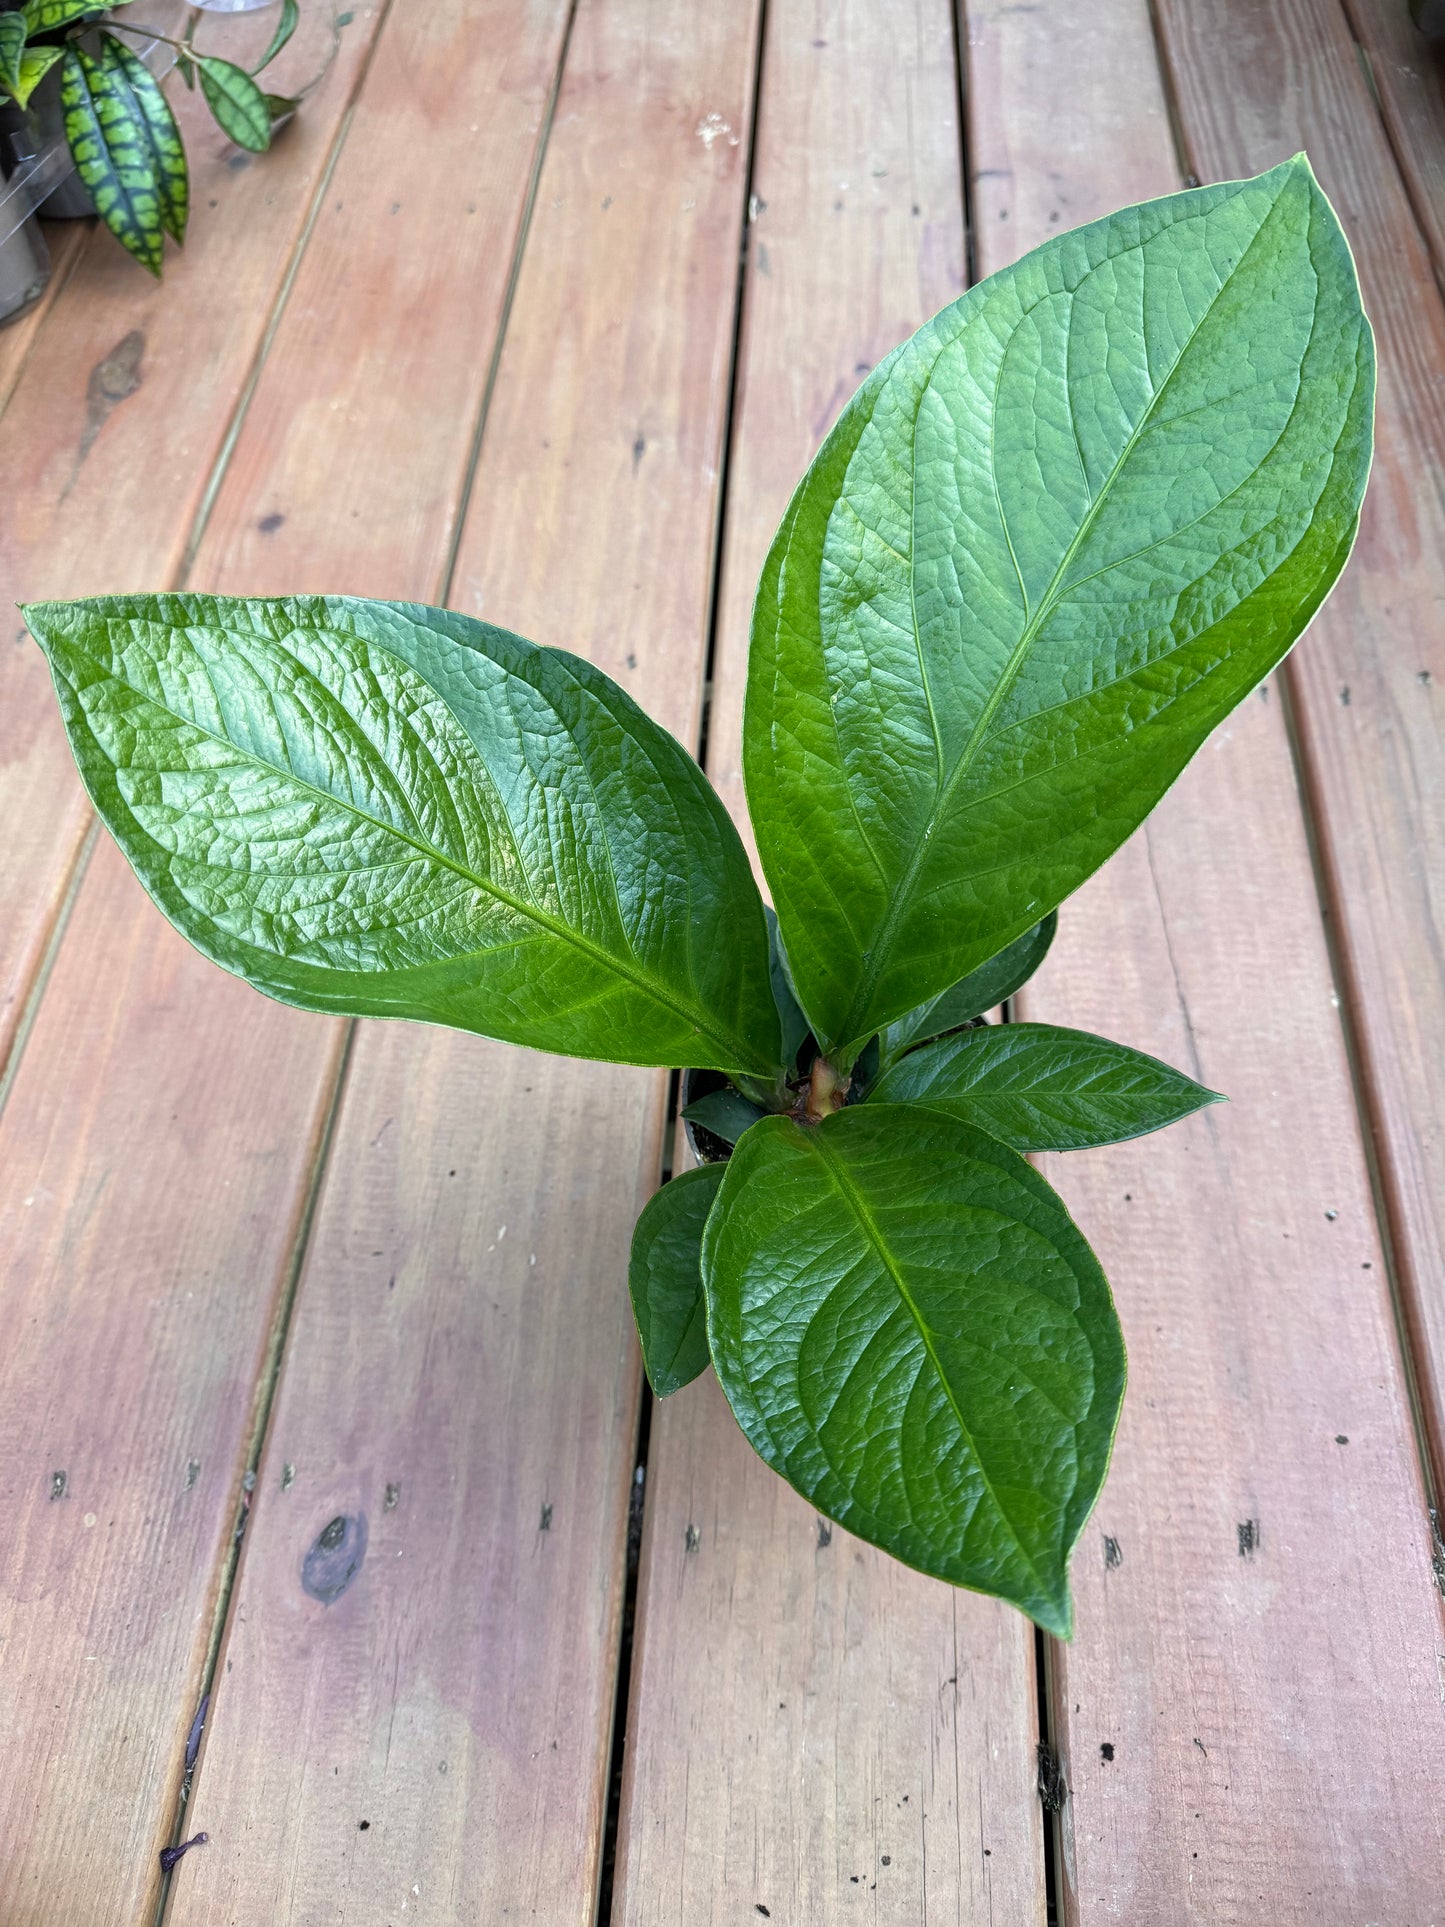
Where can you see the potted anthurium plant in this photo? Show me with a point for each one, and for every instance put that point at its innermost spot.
(1053, 539)
(57, 57)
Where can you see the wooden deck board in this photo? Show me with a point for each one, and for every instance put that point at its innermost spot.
(140, 1294)
(1408, 72)
(289, 1063)
(1369, 690)
(799, 1710)
(462, 1337)
(115, 425)
(812, 1729)
(1263, 1681)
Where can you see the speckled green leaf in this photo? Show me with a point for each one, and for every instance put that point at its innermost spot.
(112, 151)
(35, 64)
(392, 811)
(152, 112)
(12, 46)
(1039, 1087)
(981, 990)
(237, 102)
(43, 16)
(665, 1279)
(285, 27)
(1052, 541)
(911, 1329)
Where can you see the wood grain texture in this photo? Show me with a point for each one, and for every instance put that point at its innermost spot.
(154, 1163)
(462, 1366)
(1254, 1676)
(153, 1054)
(352, 468)
(813, 1729)
(1368, 690)
(1408, 72)
(117, 419)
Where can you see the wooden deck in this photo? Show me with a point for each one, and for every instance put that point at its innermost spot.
(539, 309)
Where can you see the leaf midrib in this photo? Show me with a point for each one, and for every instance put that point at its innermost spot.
(1050, 600)
(638, 977)
(858, 1205)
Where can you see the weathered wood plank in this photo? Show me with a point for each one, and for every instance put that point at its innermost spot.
(1251, 85)
(1253, 1678)
(462, 1367)
(812, 1729)
(1409, 77)
(155, 1151)
(116, 422)
(148, 1054)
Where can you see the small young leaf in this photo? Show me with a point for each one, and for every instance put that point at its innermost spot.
(151, 111)
(981, 990)
(285, 27)
(724, 1113)
(1139, 455)
(1042, 1088)
(790, 1015)
(238, 104)
(909, 1327)
(280, 107)
(35, 64)
(111, 146)
(392, 811)
(665, 1279)
(12, 46)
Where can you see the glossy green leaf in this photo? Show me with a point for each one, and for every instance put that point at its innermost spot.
(726, 1114)
(238, 104)
(665, 1278)
(150, 111)
(12, 47)
(1052, 541)
(285, 27)
(1041, 1088)
(111, 145)
(981, 990)
(44, 16)
(35, 64)
(911, 1329)
(392, 811)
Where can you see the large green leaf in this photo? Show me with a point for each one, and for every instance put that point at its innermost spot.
(150, 111)
(981, 990)
(910, 1328)
(665, 1278)
(1042, 1088)
(1051, 542)
(111, 145)
(393, 811)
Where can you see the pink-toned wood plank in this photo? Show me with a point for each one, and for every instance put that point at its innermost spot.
(1409, 76)
(79, 1291)
(117, 419)
(462, 1367)
(1252, 84)
(351, 471)
(812, 1729)
(1257, 1626)
(153, 1163)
